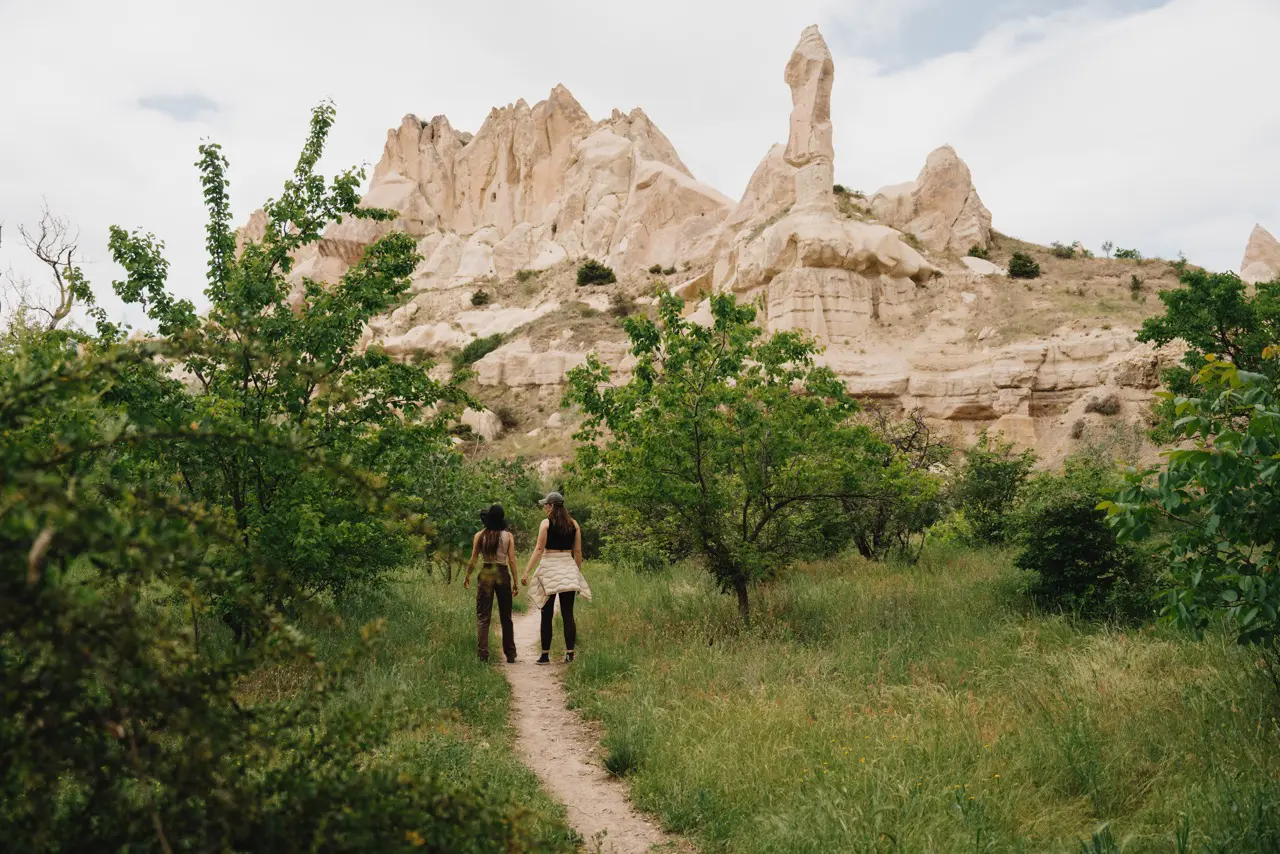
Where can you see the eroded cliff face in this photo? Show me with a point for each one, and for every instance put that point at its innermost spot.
(884, 284)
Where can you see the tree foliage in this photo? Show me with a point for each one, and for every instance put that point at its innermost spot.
(284, 366)
(725, 444)
(1065, 540)
(122, 726)
(1216, 504)
(988, 487)
(1213, 314)
(909, 494)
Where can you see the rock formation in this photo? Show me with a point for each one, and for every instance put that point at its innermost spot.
(941, 207)
(1261, 257)
(532, 187)
(826, 275)
(539, 187)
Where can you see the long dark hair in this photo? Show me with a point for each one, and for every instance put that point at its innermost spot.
(561, 521)
(494, 524)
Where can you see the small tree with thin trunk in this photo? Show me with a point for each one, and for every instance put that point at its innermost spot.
(725, 444)
(55, 244)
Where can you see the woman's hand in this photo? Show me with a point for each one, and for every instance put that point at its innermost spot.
(466, 583)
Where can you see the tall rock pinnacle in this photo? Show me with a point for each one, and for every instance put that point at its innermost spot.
(810, 73)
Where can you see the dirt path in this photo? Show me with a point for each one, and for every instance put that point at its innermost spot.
(560, 748)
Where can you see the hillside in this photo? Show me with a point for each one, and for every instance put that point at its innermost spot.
(886, 283)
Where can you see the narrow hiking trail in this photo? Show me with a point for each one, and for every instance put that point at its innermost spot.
(560, 747)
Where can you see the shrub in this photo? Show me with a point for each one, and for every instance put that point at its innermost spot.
(507, 416)
(988, 487)
(1060, 250)
(1077, 429)
(976, 251)
(1065, 540)
(1215, 507)
(592, 272)
(1135, 287)
(1108, 404)
(476, 350)
(622, 305)
(1107, 247)
(668, 271)
(1023, 266)
(480, 298)
(656, 269)
(526, 275)
(840, 190)
(1128, 255)
(126, 724)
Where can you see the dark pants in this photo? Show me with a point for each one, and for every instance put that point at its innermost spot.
(566, 614)
(495, 579)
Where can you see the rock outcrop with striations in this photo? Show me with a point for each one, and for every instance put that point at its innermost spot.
(909, 323)
(941, 207)
(829, 276)
(1261, 257)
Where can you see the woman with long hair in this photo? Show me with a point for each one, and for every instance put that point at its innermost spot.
(496, 546)
(558, 559)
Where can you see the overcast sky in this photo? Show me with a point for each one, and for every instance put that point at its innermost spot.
(1153, 124)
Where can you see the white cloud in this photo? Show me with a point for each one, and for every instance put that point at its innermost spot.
(1151, 129)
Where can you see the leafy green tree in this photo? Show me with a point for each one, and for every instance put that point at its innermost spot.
(1065, 540)
(910, 493)
(291, 373)
(1213, 314)
(1216, 505)
(988, 487)
(121, 727)
(723, 441)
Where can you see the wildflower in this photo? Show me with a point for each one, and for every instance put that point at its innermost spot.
(997, 776)
(414, 838)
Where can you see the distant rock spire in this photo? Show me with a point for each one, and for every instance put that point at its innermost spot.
(810, 73)
(1261, 257)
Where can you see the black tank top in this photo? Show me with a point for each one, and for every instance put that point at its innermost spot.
(558, 541)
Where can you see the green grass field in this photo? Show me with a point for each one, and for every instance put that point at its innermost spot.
(925, 708)
(450, 709)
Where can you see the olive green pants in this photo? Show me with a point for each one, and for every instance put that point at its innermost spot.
(494, 580)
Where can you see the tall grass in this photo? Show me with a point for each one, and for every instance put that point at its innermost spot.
(450, 709)
(923, 708)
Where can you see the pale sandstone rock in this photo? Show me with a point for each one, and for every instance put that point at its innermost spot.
(497, 320)
(427, 338)
(941, 207)
(1261, 257)
(252, 231)
(810, 73)
(983, 267)
(483, 423)
(817, 272)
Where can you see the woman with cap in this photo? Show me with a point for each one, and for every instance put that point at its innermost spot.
(496, 546)
(558, 558)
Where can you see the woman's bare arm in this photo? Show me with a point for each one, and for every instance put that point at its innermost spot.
(471, 564)
(511, 562)
(577, 545)
(538, 550)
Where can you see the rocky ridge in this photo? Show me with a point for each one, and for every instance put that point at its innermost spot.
(906, 316)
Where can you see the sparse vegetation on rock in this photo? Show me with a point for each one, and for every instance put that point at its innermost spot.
(1062, 250)
(976, 251)
(1023, 266)
(592, 272)
(1128, 255)
(526, 275)
(480, 298)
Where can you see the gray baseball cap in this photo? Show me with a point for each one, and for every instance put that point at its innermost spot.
(552, 498)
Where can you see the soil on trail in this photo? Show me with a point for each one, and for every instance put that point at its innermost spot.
(561, 749)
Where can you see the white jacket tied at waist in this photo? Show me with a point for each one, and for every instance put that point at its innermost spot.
(557, 573)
